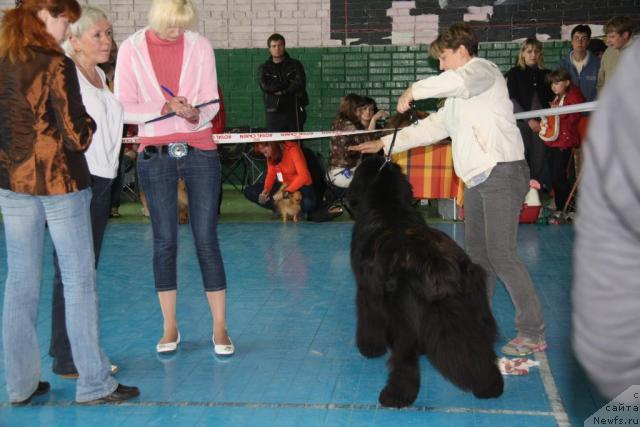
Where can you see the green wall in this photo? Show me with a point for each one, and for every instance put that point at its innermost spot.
(381, 72)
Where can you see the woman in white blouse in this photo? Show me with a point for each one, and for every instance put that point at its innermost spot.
(89, 44)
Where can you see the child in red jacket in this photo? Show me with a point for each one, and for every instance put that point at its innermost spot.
(565, 137)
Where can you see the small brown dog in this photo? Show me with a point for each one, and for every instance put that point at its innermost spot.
(183, 203)
(289, 205)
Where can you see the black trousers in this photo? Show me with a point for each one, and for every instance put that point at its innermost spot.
(534, 151)
(308, 204)
(286, 122)
(562, 180)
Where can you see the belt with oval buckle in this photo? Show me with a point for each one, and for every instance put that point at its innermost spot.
(178, 150)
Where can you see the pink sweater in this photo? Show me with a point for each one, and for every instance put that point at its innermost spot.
(137, 88)
(166, 58)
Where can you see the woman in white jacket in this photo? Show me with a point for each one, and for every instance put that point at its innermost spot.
(488, 155)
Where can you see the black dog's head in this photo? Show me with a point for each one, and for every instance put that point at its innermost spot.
(378, 183)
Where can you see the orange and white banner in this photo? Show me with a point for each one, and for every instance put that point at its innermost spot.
(243, 138)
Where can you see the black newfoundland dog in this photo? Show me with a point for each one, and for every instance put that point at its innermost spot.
(418, 292)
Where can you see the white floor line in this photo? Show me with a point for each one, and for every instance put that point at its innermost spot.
(557, 407)
(329, 406)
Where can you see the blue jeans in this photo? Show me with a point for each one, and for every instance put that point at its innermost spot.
(158, 174)
(70, 228)
(59, 348)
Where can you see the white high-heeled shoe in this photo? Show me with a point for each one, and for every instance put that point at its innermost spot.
(223, 349)
(168, 347)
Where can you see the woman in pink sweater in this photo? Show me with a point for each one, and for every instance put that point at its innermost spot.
(162, 69)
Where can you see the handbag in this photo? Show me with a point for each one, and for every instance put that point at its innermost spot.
(550, 125)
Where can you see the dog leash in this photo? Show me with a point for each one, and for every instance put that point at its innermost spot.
(387, 158)
(413, 118)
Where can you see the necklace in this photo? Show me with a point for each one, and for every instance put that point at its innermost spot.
(93, 78)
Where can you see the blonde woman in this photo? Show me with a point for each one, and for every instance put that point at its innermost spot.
(530, 90)
(165, 68)
(90, 44)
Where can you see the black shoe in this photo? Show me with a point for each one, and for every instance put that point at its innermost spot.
(119, 395)
(43, 388)
(66, 370)
(325, 214)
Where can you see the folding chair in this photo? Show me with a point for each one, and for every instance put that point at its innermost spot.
(333, 194)
(242, 166)
(255, 166)
(129, 180)
(337, 193)
(233, 164)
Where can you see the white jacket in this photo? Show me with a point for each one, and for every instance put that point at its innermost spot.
(477, 115)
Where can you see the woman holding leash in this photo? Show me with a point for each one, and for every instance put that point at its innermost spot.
(488, 155)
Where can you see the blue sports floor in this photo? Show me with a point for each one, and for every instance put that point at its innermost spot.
(291, 315)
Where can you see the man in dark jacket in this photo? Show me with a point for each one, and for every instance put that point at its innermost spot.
(283, 83)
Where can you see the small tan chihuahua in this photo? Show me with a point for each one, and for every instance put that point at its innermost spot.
(288, 206)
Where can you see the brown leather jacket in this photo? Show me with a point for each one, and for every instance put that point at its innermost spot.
(44, 127)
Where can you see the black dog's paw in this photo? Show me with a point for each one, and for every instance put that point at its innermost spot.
(371, 350)
(494, 390)
(394, 397)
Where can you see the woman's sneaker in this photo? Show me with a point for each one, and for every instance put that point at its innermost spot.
(522, 346)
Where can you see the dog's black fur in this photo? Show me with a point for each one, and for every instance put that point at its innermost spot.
(418, 292)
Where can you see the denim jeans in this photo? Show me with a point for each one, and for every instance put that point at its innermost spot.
(158, 174)
(70, 228)
(60, 349)
(491, 212)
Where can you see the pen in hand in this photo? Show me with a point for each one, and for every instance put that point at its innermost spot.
(168, 91)
(173, 113)
(181, 100)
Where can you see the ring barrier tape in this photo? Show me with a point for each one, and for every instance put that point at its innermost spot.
(574, 108)
(240, 138)
(244, 138)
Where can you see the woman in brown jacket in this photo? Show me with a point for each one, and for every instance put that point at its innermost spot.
(44, 131)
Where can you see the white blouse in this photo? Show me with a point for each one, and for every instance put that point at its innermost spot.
(107, 112)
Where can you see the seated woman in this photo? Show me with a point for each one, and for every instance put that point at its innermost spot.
(369, 114)
(286, 167)
(356, 113)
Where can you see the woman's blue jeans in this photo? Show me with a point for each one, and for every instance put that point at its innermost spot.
(158, 174)
(69, 225)
(59, 348)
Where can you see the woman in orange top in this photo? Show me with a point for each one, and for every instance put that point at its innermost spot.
(286, 166)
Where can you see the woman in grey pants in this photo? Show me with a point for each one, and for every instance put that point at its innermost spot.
(488, 154)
